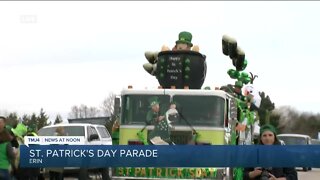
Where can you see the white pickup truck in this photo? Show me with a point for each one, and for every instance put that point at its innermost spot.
(296, 139)
(93, 135)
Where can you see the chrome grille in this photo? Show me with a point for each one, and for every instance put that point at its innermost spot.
(181, 137)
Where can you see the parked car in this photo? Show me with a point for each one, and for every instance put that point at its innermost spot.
(315, 141)
(296, 139)
(93, 135)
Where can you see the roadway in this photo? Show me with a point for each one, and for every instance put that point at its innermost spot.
(314, 174)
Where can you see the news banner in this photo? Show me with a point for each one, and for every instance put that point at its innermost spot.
(63, 151)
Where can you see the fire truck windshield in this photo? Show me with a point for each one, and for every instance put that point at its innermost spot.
(200, 110)
(192, 109)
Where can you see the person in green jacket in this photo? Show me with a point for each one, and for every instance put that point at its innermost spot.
(161, 132)
(7, 153)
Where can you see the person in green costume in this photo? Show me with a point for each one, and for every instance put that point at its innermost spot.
(161, 131)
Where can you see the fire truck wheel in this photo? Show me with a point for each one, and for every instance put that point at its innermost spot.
(83, 174)
(105, 173)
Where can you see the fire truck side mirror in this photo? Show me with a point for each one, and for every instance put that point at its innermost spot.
(116, 106)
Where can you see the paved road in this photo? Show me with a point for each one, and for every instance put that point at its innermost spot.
(314, 174)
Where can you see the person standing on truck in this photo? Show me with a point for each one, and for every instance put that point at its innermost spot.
(160, 133)
(268, 136)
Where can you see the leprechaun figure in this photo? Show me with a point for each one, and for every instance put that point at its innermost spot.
(183, 43)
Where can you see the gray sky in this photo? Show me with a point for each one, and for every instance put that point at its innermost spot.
(59, 54)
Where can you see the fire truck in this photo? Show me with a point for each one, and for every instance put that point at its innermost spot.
(205, 116)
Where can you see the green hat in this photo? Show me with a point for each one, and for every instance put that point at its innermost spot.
(20, 130)
(185, 37)
(267, 127)
(153, 101)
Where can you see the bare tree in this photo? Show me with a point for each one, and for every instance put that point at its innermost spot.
(107, 106)
(75, 112)
(83, 111)
(93, 112)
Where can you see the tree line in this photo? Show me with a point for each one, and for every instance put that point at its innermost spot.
(36, 121)
(33, 121)
(286, 119)
(83, 111)
(289, 120)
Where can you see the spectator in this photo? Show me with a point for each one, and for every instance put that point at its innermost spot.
(7, 153)
(57, 173)
(268, 136)
(23, 173)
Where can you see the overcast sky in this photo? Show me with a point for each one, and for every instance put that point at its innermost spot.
(58, 54)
